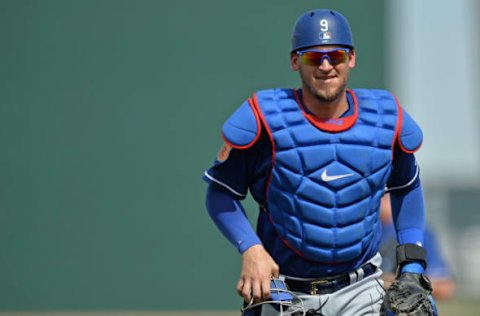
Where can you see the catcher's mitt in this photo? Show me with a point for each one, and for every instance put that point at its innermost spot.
(410, 295)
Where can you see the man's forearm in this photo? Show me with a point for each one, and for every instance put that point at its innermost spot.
(230, 218)
(409, 215)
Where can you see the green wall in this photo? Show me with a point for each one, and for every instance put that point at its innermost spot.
(109, 113)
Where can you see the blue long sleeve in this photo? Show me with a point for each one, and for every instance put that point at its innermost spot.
(408, 214)
(230, 218)
(409, 218)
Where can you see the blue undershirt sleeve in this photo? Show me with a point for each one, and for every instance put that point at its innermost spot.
(230, 218)
(409, 218)
(406, 197)
(409, 215)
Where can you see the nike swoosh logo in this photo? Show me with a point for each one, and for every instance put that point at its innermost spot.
(325, 177)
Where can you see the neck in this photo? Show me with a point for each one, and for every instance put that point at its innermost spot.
(325, 109)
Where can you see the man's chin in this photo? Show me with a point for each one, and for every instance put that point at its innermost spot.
(328, 97)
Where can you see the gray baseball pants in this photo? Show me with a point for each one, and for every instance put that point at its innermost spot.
(363, 297)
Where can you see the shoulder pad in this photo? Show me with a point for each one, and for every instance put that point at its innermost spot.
(275, 94)
(411, 136)
(242, 128)
(372, 93)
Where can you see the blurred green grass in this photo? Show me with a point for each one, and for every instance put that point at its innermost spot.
(459, 307)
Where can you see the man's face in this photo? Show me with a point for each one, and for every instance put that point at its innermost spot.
(325, 81)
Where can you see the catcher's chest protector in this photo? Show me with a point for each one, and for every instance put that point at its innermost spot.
(328, 177)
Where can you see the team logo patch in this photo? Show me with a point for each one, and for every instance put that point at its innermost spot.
(224, 152)
(325, 36)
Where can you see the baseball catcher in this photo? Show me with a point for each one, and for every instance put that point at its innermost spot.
(318, 160)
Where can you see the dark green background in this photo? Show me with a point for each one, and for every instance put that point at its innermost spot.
(109, 113)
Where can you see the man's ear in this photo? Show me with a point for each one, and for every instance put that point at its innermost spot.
(352, 58)
(294, 61)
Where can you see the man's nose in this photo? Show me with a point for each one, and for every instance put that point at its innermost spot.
(325, 64)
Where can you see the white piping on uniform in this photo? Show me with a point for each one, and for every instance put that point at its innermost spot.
(405, 185)
(223, 185)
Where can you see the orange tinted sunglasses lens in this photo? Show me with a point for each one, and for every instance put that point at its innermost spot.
(315, 57)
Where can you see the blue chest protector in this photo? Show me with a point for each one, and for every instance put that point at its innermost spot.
(328, 177)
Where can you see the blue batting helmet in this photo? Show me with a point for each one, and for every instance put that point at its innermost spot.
(321, 27)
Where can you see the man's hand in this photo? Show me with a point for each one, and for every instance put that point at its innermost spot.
(258, 268)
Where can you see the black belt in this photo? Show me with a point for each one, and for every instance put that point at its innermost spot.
(330, 284)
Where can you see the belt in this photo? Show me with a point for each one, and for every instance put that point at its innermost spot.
(330, 284)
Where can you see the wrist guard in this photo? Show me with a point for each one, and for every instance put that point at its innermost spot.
(407, 253)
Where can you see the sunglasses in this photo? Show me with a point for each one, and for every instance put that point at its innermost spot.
(315, 57)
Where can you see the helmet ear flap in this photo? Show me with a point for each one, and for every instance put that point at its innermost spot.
(321, 27)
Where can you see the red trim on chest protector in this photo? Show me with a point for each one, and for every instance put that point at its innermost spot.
(269, 133)
(259, 127)
(399, 130)
(333, 125)
(409, 151)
